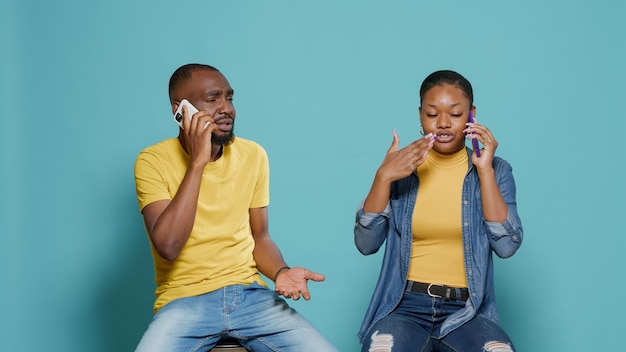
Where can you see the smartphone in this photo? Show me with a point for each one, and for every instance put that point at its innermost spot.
(474, 141)
(178, 115)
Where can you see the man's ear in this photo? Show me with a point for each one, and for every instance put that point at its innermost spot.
(175, 106)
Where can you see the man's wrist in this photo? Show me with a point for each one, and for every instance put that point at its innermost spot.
(280, 271)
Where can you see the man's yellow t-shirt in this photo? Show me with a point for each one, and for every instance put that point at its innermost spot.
(218, 252)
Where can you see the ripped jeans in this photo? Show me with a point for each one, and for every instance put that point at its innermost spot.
(413, 325)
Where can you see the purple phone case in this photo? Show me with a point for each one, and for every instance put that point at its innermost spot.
(474, 141)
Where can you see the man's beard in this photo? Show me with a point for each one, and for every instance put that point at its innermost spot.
(223, 139)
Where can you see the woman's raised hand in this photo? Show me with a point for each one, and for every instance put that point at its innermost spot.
(400, 163)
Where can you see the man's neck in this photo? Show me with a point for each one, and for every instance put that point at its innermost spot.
(216, 149)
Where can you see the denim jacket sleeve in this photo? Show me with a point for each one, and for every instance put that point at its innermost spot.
(506, 237)
(370, 229)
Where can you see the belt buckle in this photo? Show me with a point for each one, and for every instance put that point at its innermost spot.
(432, 294)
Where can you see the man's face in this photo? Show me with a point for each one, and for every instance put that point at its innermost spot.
(210, 91)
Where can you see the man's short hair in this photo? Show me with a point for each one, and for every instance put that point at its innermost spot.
(183, 75)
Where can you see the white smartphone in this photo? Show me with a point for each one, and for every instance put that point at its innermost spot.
(178, 115)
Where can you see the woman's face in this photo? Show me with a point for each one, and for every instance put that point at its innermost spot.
(444, 112)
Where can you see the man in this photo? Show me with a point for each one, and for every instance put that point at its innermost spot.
(204, 200)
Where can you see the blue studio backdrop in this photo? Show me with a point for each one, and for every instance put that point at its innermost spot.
(321, 85)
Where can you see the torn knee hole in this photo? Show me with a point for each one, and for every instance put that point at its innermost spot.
(381, 342)
(495, 346)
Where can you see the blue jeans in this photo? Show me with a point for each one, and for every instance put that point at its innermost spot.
(253, 314)
(413, 325)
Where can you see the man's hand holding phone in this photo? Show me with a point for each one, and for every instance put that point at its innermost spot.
(197, 128)
(191, 110)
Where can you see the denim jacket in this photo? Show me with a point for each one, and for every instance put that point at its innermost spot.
(480, 239)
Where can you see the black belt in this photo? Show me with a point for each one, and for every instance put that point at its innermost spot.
(440, 291)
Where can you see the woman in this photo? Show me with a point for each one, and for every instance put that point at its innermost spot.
(443, 210)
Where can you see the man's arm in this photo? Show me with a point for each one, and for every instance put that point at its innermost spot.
(269, 260)
(169, 222)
